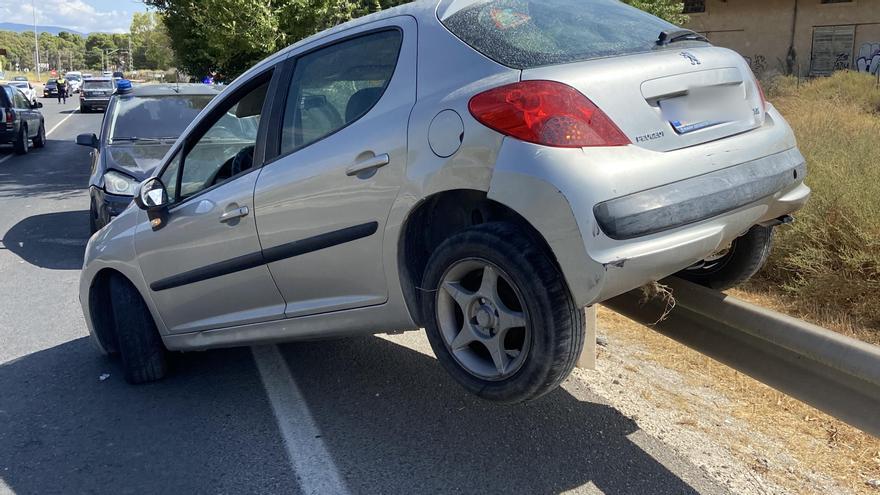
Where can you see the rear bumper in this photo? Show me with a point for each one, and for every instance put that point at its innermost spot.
(618, 218)
(699, 198)
(94, 102)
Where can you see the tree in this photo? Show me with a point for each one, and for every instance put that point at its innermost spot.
(670, 10)
(150, 42)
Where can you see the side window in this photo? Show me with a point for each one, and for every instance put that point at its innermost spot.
(225, 150)
(334, 86)
(20, 100)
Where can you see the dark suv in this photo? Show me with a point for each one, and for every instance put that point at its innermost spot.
(20, 122)
(96, 93)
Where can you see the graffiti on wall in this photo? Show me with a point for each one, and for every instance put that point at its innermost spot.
(868, 59)
(758, 63)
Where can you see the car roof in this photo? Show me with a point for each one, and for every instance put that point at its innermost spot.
(167, 89)
(101, 79)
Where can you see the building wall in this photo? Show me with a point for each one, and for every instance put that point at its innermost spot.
(761, 31)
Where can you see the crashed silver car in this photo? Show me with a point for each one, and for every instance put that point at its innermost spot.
(481, 169)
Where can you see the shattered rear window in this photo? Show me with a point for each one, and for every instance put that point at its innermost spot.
(523, 34)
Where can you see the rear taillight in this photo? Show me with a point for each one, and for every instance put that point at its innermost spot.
(548, 113)
(764, 104)
(10, 116)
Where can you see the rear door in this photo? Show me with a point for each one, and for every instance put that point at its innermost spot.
(25, 112)
(323, 202)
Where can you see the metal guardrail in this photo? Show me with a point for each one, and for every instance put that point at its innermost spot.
(833, 373)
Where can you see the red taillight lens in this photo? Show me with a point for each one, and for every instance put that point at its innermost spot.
(764, 104)
(548, 113)
(10, 116)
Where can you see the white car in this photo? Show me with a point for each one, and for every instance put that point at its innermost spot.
(26, 88)
(75, 81)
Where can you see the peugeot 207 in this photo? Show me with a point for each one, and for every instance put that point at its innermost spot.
(481, 169)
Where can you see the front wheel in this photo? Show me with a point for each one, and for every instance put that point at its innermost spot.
(499, 315)
(734, 266)
(140, 346)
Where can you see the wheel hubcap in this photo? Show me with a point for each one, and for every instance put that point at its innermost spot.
(482, 319)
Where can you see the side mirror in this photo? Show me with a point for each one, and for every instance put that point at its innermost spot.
(151, 195)
(37, 105)
(90, 140)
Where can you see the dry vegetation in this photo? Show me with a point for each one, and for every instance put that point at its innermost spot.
(827, 265)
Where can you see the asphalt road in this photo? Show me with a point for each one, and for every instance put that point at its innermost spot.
(367, 415)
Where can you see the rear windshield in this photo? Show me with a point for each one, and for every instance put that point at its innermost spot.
(524, 34)
(98, 85)
(155, 116)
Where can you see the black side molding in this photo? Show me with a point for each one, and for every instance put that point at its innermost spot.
(277, 253)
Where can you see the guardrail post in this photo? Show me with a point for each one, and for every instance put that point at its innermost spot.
(588, 352)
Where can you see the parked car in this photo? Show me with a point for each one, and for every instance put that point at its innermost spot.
(21, 124)
(25, 87)
(88, 75)
(118, 75)
(140, 127)
(20, 78)
(482, 169)
(50, 89)
(96, 93)
(75, 81)
(107, 73)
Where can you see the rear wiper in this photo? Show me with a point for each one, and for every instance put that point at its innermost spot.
(674, 36)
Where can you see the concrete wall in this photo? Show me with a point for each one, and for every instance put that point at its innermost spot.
(761, 30)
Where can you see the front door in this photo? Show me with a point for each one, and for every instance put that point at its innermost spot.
(204, 265)
(322, 205)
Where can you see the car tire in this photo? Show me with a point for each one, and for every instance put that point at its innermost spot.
(143, 355)
(22, 143)
(536, 357)
(745, 257)
(40, 140)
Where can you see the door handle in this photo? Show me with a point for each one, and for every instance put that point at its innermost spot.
(370, 163)
(233, 214)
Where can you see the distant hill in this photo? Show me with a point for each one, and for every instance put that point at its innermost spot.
(20, 28)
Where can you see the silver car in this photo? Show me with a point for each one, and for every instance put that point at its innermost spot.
(483, 169)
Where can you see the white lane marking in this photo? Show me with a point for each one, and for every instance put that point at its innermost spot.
(309, 458)
(62, 121)
(7, 157)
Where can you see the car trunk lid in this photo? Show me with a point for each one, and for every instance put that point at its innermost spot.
(668, 99)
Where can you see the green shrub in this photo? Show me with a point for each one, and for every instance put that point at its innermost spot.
(829, 259)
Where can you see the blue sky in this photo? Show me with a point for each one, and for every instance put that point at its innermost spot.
(86, 16)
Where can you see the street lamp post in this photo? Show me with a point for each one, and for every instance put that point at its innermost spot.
(36, 41)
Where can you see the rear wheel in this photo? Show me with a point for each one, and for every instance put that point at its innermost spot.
(499, 315)
(40, 140)
(22, 143)
(144, 357)
(746, 255)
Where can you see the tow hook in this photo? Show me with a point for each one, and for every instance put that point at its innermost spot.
(783, 220)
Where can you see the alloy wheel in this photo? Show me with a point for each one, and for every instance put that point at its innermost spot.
(483, 319)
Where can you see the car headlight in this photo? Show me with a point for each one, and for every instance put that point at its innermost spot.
(119, 184)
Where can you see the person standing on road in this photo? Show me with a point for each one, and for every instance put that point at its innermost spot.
(62, 89)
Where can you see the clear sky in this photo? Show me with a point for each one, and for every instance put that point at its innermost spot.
(85, 16)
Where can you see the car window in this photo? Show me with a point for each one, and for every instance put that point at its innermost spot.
(6, 96)
(20, 100)
(224, 150)
(334, 86)
(105, 85)
(163, 116)
(531, 33)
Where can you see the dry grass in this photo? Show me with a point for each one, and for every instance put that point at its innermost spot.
(820, 444)
(828, 263)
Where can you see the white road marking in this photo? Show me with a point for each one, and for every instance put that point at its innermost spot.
(309, 458)
(7, 157)
(62, 121)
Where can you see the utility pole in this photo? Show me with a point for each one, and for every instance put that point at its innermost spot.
(130, 55)
(36, 41)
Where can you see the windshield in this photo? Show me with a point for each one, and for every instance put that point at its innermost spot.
(19, 84)
(98, 85)
(154, 117)
(50, 81)
(524, 34)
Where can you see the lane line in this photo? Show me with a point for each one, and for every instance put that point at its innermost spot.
(7, 157)
(311, 462)
(62, 121)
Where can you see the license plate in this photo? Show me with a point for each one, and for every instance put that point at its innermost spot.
(702, 108)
